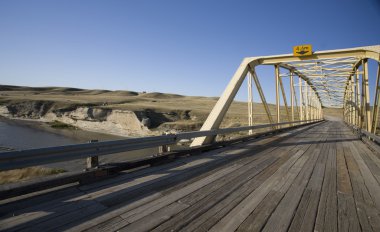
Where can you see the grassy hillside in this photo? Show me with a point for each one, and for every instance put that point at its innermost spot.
(181, 112)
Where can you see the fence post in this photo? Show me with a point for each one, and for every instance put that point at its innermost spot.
(92, 161)
(164, 148)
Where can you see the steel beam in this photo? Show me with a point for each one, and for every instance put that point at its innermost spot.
(250, 103)
(277, 94)
(367, 96)
(284, 96)
(261, 94)
(301, 97)
(217, 114)
(292, 95)
(375, 115)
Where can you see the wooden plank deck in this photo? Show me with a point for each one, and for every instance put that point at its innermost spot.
(315, 178)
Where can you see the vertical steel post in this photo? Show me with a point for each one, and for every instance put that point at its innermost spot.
(344, 105)
(367, 96)
(250, 103)
(375, 115)
(312, 103)
(347, 97)
(310, 108)
(350, 101)
(292, 95)
(301, 98)
(358, 101)
(362, 110)
(262, 96)
(284, 96)
(306, 95)
(352, 98)
(315, 106)
(277, 94)
(295, 101)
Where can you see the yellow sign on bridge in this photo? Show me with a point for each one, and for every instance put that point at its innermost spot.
(303, 50)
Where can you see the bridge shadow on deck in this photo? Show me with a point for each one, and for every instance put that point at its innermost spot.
(56, 204)
(101, 204)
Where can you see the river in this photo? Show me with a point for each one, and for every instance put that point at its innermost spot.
(21, 134)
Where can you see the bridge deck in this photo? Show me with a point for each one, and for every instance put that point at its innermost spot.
(318, 178)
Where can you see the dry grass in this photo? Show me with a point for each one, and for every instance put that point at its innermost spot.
(16, 175)
(199, 107)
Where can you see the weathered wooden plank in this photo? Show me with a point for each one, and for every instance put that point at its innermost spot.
(282, 216)
(195, 196)
(305, 215)
(213, 215)
(101, 219)
(236, 216)
(206, 220)
(125, 191)
(56, 222)
(38, 211)
(147, 223)
(259, 217)
(110, 215)
(144, 210)
(14, 207)
(327, 210)
(122, 177)
(167, 181)
(241, 169)
(367, 214)
(40, 215)
(123, 223)
(369, 180)
(30, 220)
(371, 161)
(211, 195)
(347, 215)
(155, 218)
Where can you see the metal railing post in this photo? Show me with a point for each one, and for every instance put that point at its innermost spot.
(92, 161)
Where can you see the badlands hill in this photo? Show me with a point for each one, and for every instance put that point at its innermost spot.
(125, 113)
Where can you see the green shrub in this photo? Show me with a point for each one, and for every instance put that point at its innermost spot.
(61, 125)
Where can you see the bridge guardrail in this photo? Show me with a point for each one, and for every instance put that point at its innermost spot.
(362, 132)
(39, 156)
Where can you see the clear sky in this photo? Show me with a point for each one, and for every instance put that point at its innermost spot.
(185, 47)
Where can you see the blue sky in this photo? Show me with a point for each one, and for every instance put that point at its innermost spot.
(184, 47)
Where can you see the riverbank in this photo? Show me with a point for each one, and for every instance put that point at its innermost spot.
(122, 113)
(75, 134)
(26, 134)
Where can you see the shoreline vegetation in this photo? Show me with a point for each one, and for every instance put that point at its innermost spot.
(61, 125)
(16, 175)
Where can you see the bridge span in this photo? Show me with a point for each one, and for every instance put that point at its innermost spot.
(305, 174)
(319, 177)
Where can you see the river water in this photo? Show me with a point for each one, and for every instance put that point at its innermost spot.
(20, 135)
